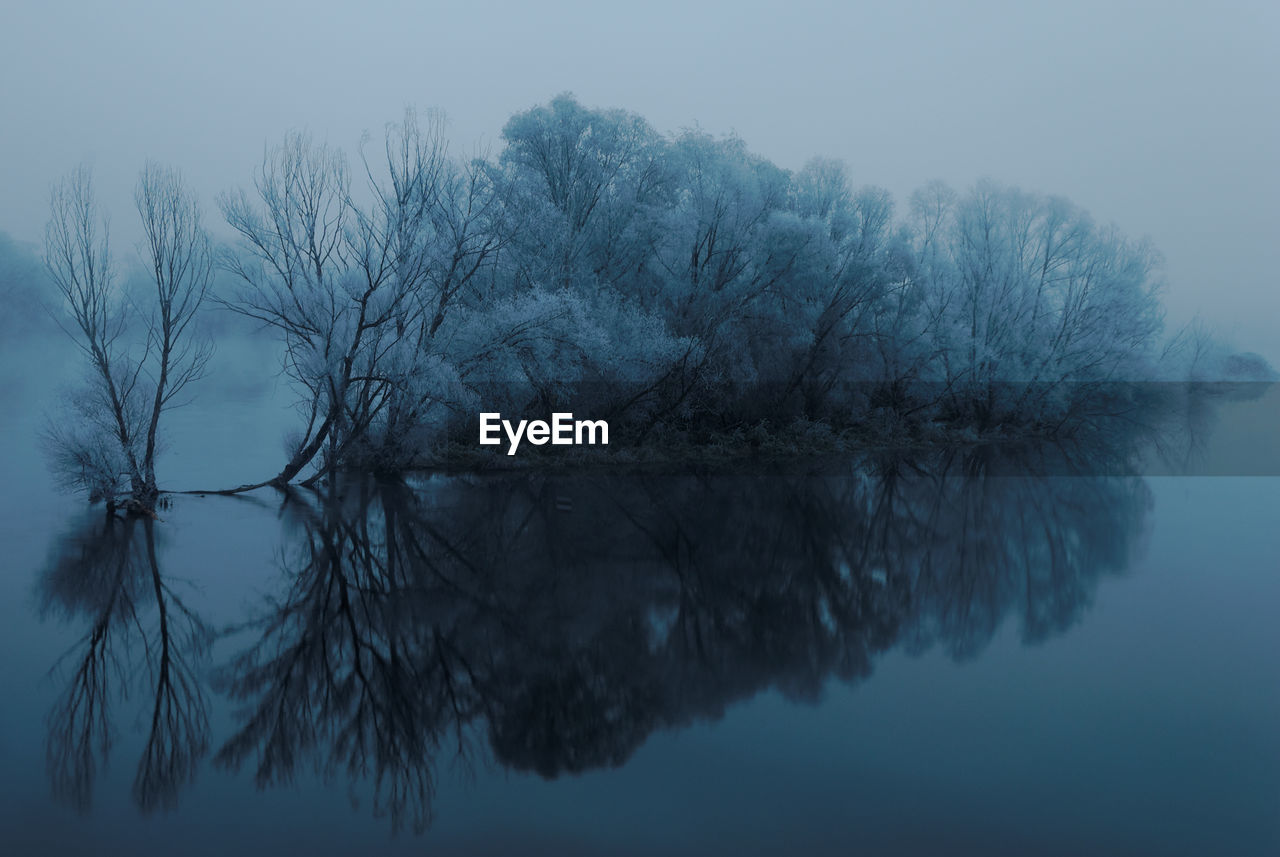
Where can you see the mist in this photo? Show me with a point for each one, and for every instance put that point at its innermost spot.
(929, 348)
(1150, 116)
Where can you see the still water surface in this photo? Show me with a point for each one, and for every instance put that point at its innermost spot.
(949, 655)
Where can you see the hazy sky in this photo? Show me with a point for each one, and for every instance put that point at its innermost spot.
(1162, 117)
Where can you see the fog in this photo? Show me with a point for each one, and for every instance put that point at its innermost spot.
(1155, 116)
(872, 562)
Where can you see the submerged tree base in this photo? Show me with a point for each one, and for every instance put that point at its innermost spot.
(138, 507)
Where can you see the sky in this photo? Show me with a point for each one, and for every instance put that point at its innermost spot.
(1160, 117)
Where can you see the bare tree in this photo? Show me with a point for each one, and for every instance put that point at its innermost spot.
(181, 260)
(295, 265)
(112, 436)
(77, 254)
(339, 281)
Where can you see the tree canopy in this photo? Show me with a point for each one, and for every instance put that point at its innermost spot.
(680, 286)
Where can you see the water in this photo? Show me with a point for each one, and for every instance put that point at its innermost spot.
(955, 653)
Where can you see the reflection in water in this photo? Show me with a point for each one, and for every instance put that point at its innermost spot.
(140, 636)
(553, 623)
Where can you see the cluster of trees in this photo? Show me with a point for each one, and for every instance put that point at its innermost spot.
(670, 284)
(678, 286)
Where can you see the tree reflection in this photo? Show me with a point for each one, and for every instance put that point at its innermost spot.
(562, 620)
(351, 666)
(141, 636)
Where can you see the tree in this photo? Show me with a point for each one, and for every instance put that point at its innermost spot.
(587, 186)
(458, 235)
(335, 280)
(111, 436)
(856, 298)
(181, 265)
(103, 449)
(1029, 302)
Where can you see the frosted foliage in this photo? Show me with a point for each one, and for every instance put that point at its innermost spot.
(675, 282)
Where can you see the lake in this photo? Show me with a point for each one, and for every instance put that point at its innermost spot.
(964, 652)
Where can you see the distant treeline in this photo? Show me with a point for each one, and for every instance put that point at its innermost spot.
(679, 286)
(22, 285)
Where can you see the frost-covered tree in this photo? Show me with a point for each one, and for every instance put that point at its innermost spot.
(179, 256)
(339, 280)
(1029, 301)
(142, 355)
(856, 313)
(586, 187)
(674, 283)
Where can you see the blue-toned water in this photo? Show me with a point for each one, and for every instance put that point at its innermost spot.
(950, 653)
